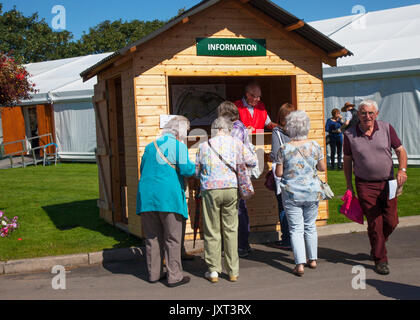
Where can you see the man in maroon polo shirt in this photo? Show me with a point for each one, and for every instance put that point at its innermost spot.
(367, 152)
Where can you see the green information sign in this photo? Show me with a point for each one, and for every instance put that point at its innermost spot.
(231, 47)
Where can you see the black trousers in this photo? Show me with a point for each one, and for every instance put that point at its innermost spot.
(336, 146)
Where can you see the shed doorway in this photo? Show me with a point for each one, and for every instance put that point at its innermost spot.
(118, 173)
(186, 93)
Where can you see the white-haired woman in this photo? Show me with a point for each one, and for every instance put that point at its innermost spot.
(301, 190)
(219, 188)
(161, 201)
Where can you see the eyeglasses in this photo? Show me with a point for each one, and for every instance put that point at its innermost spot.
(255, 96)
(364, 113)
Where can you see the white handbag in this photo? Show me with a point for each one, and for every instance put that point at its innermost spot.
(254, 172)
(327, 193)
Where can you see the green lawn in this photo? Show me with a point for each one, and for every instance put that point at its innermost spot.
(57, 211)
(408, 202)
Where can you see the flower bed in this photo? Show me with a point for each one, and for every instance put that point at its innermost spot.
(7, 226)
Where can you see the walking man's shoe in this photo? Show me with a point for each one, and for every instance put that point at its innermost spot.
(382, 268)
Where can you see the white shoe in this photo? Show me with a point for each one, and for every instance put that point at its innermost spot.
(212, 276)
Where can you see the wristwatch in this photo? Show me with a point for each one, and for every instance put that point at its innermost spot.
(403, 169)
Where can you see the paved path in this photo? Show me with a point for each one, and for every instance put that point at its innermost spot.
(264, 275)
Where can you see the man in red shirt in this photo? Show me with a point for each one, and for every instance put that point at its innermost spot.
(368, 154)
(252, 111)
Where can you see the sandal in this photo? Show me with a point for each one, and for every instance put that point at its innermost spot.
(298, 272)
(311, 264)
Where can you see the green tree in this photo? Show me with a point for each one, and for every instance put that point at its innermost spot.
(111, 36)
(30, 39)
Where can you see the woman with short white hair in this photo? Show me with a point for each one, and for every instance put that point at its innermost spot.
(161, 201)
(219, 189)
(297, 162)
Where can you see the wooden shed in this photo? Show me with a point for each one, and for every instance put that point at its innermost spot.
(206, 54)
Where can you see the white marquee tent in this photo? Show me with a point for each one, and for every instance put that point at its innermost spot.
(385, 67)
(59, 83)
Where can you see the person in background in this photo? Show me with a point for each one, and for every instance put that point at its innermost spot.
(161, 201)
(333, 127)
(228, 110)
(219, 188)
(252, 111)
(350, 116)
(278, 138)
(301, 190)
(368, 153)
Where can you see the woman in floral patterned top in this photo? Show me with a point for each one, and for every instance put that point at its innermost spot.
(220, 197)
(301, 190)
(230, 111)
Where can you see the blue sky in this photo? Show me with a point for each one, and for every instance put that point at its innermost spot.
(83, 14)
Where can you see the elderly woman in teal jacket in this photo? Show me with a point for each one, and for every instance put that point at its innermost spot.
(161, 201)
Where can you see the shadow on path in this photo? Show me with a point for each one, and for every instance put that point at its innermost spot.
(395, 290)
(275, 259)
(138, 267)
(336, 256)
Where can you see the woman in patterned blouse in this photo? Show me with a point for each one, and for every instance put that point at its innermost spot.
(301, 190)
(229, 110)
(219, 188)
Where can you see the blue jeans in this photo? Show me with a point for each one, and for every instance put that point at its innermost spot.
(303, 235)
(284, 225)
(243, 225)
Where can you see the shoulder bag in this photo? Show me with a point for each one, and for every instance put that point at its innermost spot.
(164, 158)
(255, 171)
(327, 193)
(270, 182)
(173, 166)
(245, 187)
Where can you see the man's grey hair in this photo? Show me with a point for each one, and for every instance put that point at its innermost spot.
(251, 85)
(228, 110)
(298, 125)
(178, 126)
(222, 123)
(369, 103)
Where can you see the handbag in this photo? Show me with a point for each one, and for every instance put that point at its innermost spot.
(245, 187)
(270, 183)
(351, 207)
(255, 171)
(327, 193)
